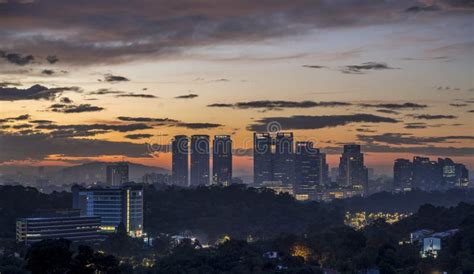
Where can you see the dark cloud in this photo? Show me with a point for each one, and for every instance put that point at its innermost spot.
(41, 121)
(415, 150)
(410, 139)
(105, 91)
(115, 78)
(47, 72)
(198, 125)
(22, 126)
(388, 111)
(138, 136)
(94, 127)
(39, 146)
(471, 111)
(66, 100)
(395, 106)
(64, 108)
(417, 9)
(52, 59)
(220, 105)
(35, 92)
(415, 125)
(275, 105)
(368, 130)
(16, 58)
(364, 67)
(110, 31)
(146, 119)
(137, 95)
(314, 66)
(316, 122)
(458, 105)
(187, 96)
(433, 117)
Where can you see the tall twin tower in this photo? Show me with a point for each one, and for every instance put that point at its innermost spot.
(200, 158)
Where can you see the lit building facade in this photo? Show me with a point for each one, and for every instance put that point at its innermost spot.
(222, 160)
(200, 154)
(115, 206)
(311, 169)
(180, 157)
(66, 224)
(283, 159)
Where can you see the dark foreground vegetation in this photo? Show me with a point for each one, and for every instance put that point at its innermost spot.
(242, 225)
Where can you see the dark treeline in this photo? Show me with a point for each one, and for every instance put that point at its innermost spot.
(339, 248)
(406, 201)
(236, 211)
(19, 201)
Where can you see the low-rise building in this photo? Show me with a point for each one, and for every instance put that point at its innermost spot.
(60, 224)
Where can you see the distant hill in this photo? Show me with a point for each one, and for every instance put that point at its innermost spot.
(95, 171)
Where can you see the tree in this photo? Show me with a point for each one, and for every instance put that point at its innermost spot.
(49, 256)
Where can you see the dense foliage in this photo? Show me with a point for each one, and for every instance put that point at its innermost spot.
(19, 201)
(307, 237)
(236, 211)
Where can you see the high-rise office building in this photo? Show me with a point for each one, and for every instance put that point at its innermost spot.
(403, 174)
(454, 174)
(117, 174)
(180, 152)
(116, 206)
(58, 224)
(310, 168)
(283, 161)
(427, 175)
(200, 153)
(352, 172)
(222, 160)
(262, 158)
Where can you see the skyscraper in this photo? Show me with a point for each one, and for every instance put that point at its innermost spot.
(117, 174)
(403, 174)
(308, 168)
(283, 164)
(427, 175)
(179, 168)
(352, 172)
(222, 160)
(262, 158)
(200, 160)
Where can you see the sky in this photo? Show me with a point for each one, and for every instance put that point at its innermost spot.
(116, 80)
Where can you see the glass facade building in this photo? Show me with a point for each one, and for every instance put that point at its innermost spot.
(115, 206)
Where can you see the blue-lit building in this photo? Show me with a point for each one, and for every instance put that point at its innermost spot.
(115, 206)
(59, 224)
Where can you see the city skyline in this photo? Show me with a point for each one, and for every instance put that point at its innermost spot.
(394, 77)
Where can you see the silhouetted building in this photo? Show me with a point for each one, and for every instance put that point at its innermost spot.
(352, 172)
(116, 206)
(283, 161)
(454, 174)
(427, 175)
(200, 153)
(311, 170)
(65, 224)
(262, 158)
(117, 174)
(403, 174)
(222, 160)
(179, 165)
